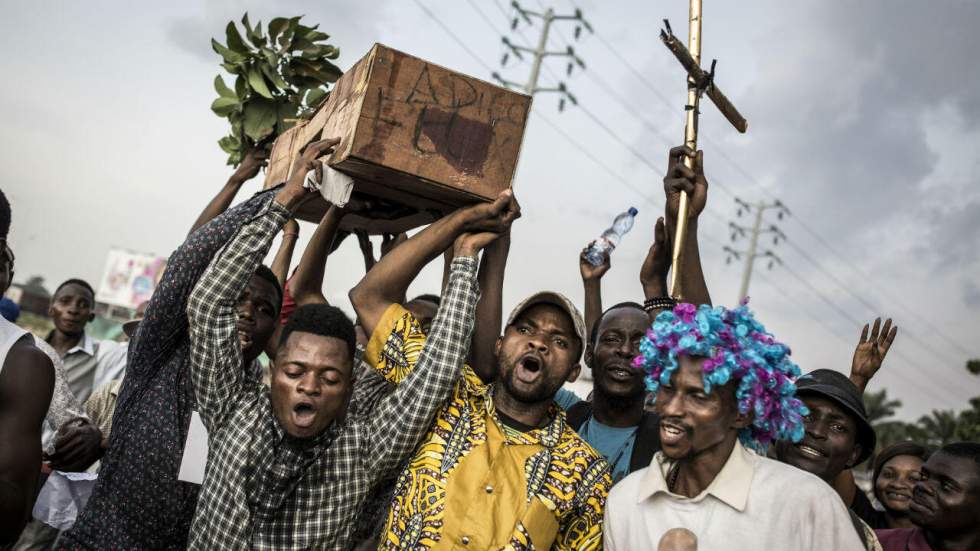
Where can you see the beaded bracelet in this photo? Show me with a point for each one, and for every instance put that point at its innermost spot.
(659, 303)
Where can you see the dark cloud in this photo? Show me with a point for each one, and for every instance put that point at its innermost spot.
(954, 236)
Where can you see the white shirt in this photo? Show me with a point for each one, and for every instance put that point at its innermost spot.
(753, 504)
(64, 408)
(92, 363)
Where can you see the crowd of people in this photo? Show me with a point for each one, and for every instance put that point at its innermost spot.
(436, 422)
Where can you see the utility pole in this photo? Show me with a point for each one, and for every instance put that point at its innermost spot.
(548, 17)
(739, 231)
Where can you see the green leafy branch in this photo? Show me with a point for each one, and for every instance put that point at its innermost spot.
(280, 76)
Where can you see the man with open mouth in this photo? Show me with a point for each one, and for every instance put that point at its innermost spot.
(723, 385)
(289, 467)
(500, 467)
(945, 504)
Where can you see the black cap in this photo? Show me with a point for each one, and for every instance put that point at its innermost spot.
(835, 386)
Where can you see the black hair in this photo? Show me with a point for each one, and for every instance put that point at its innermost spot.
(594, 330)
(4, 216)
(435, 299)
(75, 281)
(323, 320)
(267, 274)
(965, 450)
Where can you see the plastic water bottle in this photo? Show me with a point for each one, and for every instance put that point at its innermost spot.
(610, 238)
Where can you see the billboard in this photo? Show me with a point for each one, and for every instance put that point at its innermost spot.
(129, 278)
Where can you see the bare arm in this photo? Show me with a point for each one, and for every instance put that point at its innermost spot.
(388, 280)
(253, 161)
(26, 385)
(679, 178)
(653, 273)
(284, 256)
(871, 351)
(592, 282)
(489, 309)
(306, 285)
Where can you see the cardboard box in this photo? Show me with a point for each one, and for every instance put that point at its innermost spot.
(413, 133)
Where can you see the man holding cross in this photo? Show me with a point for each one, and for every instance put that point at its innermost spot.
(723, 385)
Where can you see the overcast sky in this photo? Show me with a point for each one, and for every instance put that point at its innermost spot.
(863, 119)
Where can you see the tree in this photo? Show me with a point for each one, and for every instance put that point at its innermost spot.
(879, 407)
(940, 427)
(35, 284)
(973, 366)
(279, 77)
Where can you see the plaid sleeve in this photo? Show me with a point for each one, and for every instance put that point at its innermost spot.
(212, 313)
(403, 417)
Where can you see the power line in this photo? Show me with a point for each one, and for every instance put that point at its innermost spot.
(617, 177)
(753, 234)
(581, 148)
(589, 155)
(857, 296)
(831, 330)
(813, 234)
(858, 323)
(453, 35)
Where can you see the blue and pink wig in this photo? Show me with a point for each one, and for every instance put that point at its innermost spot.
(737, 349)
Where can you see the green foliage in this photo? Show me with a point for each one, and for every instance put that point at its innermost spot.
(973, 366)
(280, 76)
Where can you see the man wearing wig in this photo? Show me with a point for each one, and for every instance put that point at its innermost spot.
(723, 391)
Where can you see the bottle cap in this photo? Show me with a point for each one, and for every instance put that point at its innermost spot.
(633, 211)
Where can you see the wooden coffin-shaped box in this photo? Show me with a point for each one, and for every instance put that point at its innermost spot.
(417, 136)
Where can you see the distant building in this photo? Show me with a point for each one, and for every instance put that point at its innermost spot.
(32, 297)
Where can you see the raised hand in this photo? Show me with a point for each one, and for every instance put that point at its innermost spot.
(295, 193)
(871, 351)
(653, 273)
(486, 222)
(254, 160)
(680, 178)
(493, 217)
(590, 272)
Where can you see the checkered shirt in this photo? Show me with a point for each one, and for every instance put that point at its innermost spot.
(263, 490)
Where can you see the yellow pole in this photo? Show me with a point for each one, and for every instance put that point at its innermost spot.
(691, 140)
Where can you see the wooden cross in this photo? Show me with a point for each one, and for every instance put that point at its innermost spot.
(698, 82)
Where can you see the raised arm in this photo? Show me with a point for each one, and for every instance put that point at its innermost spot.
(306, 285)
(212, 313)
(249, 167)
(653, 273)
(388, 280)
(26, 384)
(403, 417)
(870, 351)
(284, 256)
(680, 178)
(592, 282)
(489, 310)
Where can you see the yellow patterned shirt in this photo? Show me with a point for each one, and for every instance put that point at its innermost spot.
(471, 485)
